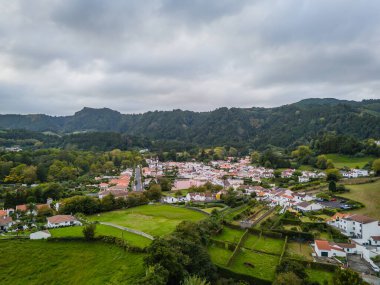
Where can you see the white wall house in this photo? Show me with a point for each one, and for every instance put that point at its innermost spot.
(170, 200)
(324, 248)
(307, 207)
(62, 221)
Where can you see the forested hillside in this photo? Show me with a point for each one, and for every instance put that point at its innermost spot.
(283, 126)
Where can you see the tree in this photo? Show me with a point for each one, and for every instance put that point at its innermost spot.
(292, 266)
(165, 184)
(154, 193)
(333, 175)
(347, 277)
(89, 231)
(376, 166)
(155, 275)
(287, 278)
(255, 157)
(195, 280)
(332, 186)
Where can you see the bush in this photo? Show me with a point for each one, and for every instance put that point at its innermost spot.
(89, 231)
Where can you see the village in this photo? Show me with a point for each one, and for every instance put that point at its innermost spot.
(359, 251)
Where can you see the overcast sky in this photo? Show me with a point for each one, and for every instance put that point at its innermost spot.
(57, 56)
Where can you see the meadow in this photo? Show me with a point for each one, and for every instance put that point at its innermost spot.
(320, 276)
(229, 235)
(341, 161)
(367, 194)
(132, 239)
(42, 262)
(156, 220)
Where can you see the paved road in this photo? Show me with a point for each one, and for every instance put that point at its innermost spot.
(138, 185)
(128, 230)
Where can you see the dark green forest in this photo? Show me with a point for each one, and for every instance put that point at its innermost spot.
(243, 128)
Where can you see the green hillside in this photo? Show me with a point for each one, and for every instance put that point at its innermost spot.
(41, 262)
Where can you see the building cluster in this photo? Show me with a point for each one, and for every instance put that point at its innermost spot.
(364, 234)
(116, 185)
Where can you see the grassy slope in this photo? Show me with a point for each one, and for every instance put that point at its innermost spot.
(41, 262)
(320, 275)
(341, 161)
(230, 235)
(131, 238)
(369, 195)
(153, 219)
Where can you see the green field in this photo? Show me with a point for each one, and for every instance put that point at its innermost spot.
(320, 275)
(156, 220)
(264, 264)
(131, 238)
(251, 241)
(369, 195)
(42, 262)
(230, 235)
(299, 251)
(341, 161)
(270, 245)
(219, 255)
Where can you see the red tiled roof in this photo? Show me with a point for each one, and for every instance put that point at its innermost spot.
(21, 208)
(376, 238)
(361, 219)
(4, 220)
(322, 244)
(61, 219)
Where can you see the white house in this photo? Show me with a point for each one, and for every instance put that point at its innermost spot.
(62, 221)
(307, 207)
(169, 199)
(360, 227)
(200, 197)
(375, 240)
(324, 248)
(40, 235)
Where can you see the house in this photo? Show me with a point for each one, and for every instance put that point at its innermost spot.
(62, 221)
(5, 223)
(40, 235)
(324, 248)
(169, 200)
(200, 197)
(303, 179)
(360, 227)
(307, 207)
(116, 193)
(374, 240)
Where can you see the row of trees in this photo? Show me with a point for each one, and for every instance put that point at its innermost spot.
(30, 167)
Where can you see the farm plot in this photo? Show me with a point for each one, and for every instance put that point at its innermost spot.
(260, 265)
(299, 251)
(152, 219)
(229, 235)
(131, 238)
(269, 245)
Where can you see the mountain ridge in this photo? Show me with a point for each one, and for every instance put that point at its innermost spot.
(278, 126)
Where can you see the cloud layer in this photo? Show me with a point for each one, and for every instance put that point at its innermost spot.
(57, 56)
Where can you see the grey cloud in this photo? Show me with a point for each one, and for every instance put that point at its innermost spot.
(134, 56)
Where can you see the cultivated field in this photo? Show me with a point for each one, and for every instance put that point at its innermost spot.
(230, 235)
(42, 262)
(132, 239)
(341, 161)
(369, 195)
(155, 220)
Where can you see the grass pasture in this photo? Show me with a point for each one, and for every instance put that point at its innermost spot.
(341, 161)
(320, 276)
(264, 264)
(229, 235)
(367, 194)
(131, 238)
(299, 251)
(156, 220)
(219, 255)
(67, 263)
(270, 245)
